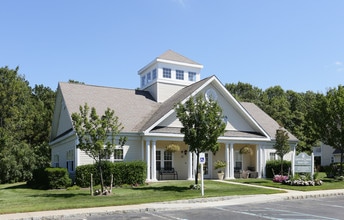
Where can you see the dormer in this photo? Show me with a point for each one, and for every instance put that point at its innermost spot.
(167, 74)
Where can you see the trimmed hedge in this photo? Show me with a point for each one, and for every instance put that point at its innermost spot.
(123, 173)
(50, 178)
(276, 166)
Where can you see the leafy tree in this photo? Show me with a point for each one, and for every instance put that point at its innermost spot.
(245, 92)
(328, 119)
(97, 134)
(281, 146)
(202, 125)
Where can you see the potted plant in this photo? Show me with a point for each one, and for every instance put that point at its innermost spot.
(245, 150)
(173, 148)
(219, 165)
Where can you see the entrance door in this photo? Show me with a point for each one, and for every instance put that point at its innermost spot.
(207, 166)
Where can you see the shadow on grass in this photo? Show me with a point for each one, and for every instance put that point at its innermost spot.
(17, 186)
(164, 188)
(58, 195)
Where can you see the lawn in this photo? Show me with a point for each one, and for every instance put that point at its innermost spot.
(19, 198)
(328, 183)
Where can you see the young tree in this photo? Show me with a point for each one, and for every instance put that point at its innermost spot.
(328, 119)
(281, 146)
(202, 125)
(96, 134)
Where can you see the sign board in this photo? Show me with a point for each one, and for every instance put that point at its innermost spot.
(303, 163)
(201, 158)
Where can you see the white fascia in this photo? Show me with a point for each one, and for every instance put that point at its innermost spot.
(180, 63)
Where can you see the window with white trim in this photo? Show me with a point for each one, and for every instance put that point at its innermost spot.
(238, 160)
(70, 160)
(56, 160)
(158, 159)
(272, 156)
(118, 154)
(143, 80)
(149, 77)
(167, 160)
(180, 74)
(192, 76)
(166, 73)
(154, 74)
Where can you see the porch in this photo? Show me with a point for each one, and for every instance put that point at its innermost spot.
(239, 164)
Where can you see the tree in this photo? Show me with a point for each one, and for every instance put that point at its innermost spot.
(281, 146)
(96, 134)
(202, 125)
(328, 119)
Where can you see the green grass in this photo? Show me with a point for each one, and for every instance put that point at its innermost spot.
(328, 184)
(19, 198)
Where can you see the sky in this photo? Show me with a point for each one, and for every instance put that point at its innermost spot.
(295, 44)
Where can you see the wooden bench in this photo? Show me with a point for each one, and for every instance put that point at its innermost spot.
(168, 172)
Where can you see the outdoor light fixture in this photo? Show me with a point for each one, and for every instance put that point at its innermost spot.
(184, 152)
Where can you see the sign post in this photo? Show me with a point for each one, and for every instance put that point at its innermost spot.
(202, 161)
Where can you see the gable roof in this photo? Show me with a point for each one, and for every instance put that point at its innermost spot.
(144, 113)
(264, 120)
(174, 56)
(141, 103)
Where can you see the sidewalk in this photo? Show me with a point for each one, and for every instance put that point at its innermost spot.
(180, 204)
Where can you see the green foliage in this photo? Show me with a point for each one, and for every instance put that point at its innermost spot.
(96, 134)
(83, 174)
(25, 121)
(274, 165)
(131, 173)
(281, 146)
(58, 178)
(50, 178)
(202, 125)
(330, 125)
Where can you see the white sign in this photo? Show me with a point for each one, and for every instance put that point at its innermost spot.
(201, 158)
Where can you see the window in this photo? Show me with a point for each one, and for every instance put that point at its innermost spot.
(192, 76)
(158, 160)
(238, 160)
(154, 74)
(166, 73)
(180, 74)
(56, 160)
(167, 160)
(272, 156)
(118, 153)
(143, 80)
(149, 77)
(70, 160)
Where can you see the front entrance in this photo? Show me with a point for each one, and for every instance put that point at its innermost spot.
(207, 166)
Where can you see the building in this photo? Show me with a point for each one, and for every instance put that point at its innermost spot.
(150, 122)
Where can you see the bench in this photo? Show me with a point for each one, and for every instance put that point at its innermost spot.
(168, 172)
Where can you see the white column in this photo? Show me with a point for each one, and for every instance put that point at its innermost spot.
(190, 176)
(154, 161)
(258, 159)
(148, 160)
(231, 161)
(227, 162)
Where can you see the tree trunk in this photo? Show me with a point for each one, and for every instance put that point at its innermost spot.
(282, 166)
(341, 162)
(197, 169)
(101, 176)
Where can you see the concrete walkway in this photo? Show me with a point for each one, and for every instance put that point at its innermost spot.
(179, 204)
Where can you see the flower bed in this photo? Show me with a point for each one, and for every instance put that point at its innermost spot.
(280, 178)
(300, 182)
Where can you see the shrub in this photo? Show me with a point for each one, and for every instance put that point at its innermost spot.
(275, 166)
(83, 174)
(131, 173)
(39, 179)
(58, 178)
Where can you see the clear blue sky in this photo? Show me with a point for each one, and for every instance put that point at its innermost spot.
(297, 44)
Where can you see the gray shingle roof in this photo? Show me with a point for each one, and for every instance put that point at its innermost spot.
(264, 120)
(133, 107)
(173, 56)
